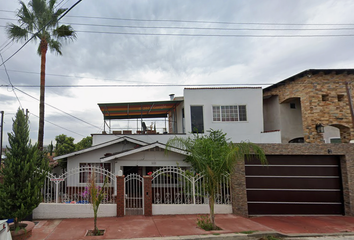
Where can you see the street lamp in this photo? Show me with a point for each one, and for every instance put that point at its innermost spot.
(319, 128)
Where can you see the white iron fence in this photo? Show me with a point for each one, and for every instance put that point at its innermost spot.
(172, 185)
(134, 198)
(72, 186)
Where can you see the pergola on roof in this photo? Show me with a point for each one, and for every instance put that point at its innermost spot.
(134, 110)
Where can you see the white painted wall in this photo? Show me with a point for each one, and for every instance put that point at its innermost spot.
(236, 131)
(330, 132)
(61, 210)
(161, 138)
(281, 117)
(166, 209)
(291, 121)
(271, 137)
(152, 159)
(271, 113)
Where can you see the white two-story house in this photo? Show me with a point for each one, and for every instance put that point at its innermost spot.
(135, 133)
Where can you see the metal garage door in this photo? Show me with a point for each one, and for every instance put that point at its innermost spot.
(300, 185)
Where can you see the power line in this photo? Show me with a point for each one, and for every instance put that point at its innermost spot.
(200, 21)
(221, 35)
(214, 22)
(12, 86)
(59, 109)
(141, 85)
(34, 35)
(209, 28)
(59, 126)
(68, 76)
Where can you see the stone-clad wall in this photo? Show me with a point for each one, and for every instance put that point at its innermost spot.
(345, 151)
(323, 99)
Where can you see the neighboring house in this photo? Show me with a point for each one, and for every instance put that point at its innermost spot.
(235, 111)
(300, 105)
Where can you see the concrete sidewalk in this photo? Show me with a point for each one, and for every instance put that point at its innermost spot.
(184, 227)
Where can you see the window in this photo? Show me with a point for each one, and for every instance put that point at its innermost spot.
(325, 97)
(86, 174)
(197, 119)
(340, 97)
(229, 113)
(335, 140)
(292, 105)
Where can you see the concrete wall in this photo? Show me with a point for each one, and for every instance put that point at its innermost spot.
(271, 113)
(60, 210)
(291, 121)
(166, 209)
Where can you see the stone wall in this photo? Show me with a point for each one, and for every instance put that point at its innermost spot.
(345, 151)
(324, 99)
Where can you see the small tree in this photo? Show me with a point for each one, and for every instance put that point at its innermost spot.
(23, 175)
(84, 143)
(213, 155)
(64, 145)
(95, 194)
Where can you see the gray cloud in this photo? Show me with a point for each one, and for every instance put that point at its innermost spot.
(170, 59)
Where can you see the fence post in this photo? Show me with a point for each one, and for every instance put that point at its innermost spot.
(147, 196)
(56, 191)
(120, 196)
(193, 189)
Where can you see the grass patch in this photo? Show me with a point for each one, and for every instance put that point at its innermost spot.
(269, 238)
(248, 232)
(205, 223)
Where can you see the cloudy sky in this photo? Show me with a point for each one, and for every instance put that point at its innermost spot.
(136, 44)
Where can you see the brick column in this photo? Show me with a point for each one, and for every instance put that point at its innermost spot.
(120, 196)
(238, 190)
(147, 196)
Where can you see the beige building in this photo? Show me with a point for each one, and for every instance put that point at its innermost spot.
(300, 105)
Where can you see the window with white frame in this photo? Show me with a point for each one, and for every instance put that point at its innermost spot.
(86, 172)
(231, 113)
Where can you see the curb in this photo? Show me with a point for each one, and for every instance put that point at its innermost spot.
(222, 236)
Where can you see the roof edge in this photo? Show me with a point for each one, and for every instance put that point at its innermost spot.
(310, 71)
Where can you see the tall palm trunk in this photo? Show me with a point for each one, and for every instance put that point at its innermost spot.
(44, 48)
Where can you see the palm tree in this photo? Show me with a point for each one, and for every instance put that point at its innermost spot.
(213, 156)
(40, 19)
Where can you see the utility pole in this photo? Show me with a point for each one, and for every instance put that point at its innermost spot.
(1, 130)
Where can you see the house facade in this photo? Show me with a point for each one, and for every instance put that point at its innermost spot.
(300, 105)
(141, 148)
(310, 107)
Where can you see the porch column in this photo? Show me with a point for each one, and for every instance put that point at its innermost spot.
(147, 196)
(120, 196)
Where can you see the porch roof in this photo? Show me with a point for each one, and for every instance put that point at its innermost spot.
(144, 148)
(134, 110)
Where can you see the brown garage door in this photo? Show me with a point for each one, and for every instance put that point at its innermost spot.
(300, 185)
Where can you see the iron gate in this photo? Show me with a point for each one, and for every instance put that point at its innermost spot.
(134, 198)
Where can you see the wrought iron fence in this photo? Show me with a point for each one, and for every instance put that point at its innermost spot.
(172, 185)
(72, 186)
